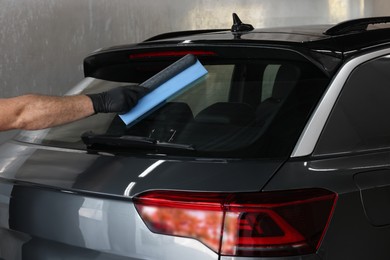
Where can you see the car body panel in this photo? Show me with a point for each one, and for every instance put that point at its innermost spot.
(361, 208)
(374, 188)
(115, 175)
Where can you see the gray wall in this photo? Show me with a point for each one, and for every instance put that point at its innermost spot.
(43, 42)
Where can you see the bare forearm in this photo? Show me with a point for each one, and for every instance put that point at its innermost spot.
(32, 112)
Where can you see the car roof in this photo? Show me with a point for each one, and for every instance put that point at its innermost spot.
(283, 34)
(346, 37)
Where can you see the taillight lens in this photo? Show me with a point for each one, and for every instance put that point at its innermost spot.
(242, 224)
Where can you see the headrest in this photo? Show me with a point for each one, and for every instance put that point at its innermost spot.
(286, 78)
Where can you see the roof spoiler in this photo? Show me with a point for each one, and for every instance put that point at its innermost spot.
(356, 25)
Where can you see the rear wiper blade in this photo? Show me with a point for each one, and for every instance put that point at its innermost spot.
(129, 141)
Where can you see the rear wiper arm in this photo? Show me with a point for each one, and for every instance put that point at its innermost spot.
(129, 141)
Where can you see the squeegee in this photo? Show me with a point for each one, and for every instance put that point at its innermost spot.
(166, 84)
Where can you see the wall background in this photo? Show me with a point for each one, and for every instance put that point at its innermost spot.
(43, 42)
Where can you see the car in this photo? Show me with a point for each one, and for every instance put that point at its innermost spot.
(281, 151)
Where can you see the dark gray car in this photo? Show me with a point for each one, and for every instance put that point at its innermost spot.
(282, 151)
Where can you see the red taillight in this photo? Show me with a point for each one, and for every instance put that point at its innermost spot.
(170, 54)
(242, 224)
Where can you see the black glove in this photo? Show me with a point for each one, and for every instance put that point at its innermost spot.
(117, 100)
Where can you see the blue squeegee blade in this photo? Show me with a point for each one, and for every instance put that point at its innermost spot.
(165, 91)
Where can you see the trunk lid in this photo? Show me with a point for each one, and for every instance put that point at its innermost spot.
(104, 174)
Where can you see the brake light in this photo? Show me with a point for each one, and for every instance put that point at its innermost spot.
(170, 54)
(242, 224)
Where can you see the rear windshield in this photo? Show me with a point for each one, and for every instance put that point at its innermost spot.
(241, 108)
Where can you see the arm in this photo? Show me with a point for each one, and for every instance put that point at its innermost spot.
(31, 112)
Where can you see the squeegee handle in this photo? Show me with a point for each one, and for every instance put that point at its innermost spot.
(169, 72)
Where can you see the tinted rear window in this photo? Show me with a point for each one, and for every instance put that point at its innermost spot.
(253, 107)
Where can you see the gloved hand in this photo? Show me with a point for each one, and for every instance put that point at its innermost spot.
(117, 100)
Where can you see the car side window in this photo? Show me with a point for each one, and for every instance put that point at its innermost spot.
(360, 120)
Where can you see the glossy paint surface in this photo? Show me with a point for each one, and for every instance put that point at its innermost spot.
(126, 176)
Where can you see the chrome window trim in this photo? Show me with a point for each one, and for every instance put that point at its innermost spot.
(310, 135)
